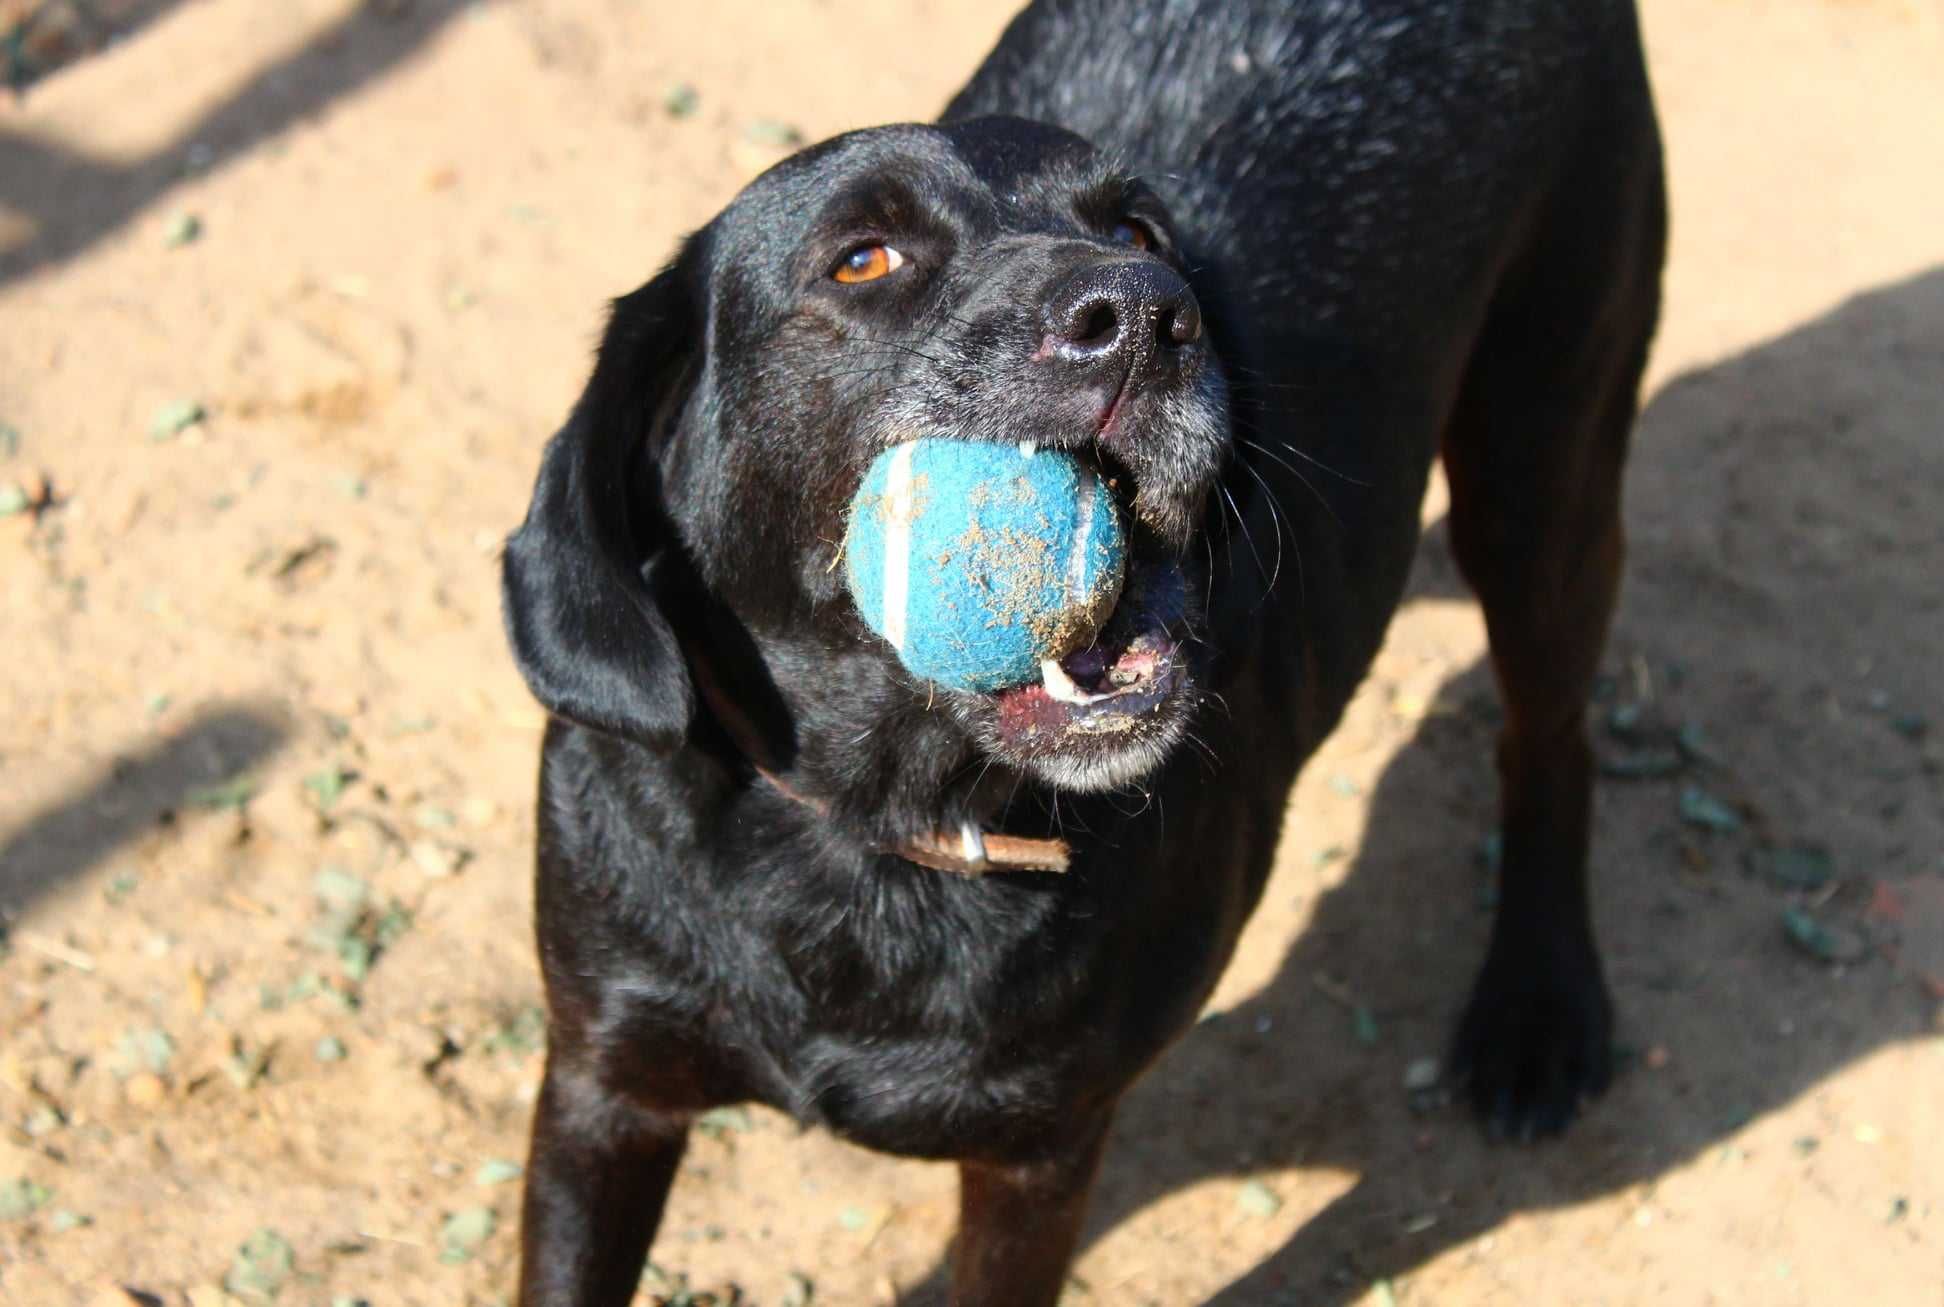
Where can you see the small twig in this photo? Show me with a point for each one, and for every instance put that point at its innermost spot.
(1334, 990)
(56, 950)
(392, 1238)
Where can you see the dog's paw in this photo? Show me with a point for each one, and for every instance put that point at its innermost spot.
(1535, 1040)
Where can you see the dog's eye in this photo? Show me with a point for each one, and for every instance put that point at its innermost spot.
(1130, 232)
(868, 263)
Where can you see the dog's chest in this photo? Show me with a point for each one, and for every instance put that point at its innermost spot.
(911, 1018)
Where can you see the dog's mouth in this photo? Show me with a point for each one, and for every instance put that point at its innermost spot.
(1127, 670)
(1108, 712)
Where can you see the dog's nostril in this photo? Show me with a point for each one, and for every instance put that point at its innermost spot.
(1096, 324)
(1180, 322)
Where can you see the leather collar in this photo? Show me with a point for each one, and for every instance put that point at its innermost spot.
(967, 851)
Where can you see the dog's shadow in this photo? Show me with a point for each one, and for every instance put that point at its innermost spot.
(1783, 524)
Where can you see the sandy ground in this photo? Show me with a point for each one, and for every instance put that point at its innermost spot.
(265, 767)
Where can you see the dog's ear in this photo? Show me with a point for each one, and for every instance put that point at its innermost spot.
(591, 580)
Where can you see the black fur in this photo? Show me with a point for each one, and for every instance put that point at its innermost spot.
(1401, 225)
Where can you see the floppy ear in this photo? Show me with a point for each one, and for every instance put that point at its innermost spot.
(590, 579)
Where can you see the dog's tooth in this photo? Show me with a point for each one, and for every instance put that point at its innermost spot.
(1028, 448)
(1059, 684)
(1063, 687)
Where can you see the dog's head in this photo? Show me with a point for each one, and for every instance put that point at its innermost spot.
(992, 280)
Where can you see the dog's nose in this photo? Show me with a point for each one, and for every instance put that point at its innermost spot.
(1130, 316)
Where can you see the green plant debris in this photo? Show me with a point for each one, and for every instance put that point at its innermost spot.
(523, 1032)
(1823, 942)
(672, 1289)
(235, 793)
(1699, 808)
(720, 1121)
(148, 1049)
(1651, 765)
(464, 1232)
(1693, 743)
(339, 891)
(351, 926)
(355, 956)
(20, 1198)
(183, 229)
(771, 132)
(307, 986)
(14, 499)
(392, 923)
(494, 1171)
(327, 785)
(261, 1267)
(329, 1049)
(247, 1065)
(1422, 1074)
(1363, 1024)
(681, 101)
(176, 417)
(1258, 1199)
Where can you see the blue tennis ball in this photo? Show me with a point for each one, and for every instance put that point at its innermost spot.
(977, 560)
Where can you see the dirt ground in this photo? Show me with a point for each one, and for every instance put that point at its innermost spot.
(291, 294)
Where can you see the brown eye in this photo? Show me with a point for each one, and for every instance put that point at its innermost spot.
(868, 264)
(1133, 233)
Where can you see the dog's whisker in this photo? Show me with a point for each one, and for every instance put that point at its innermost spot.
(1319, 464)
(1307, 484)
(1248, 537)
(1211, 764)
(1276, 524)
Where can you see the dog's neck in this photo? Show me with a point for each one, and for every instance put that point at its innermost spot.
(966, 851)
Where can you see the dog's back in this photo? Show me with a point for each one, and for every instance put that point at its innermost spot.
(1363, 183)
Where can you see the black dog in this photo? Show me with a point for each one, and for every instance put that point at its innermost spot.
(1260, 263)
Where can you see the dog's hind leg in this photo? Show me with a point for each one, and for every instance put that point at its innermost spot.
(598, 1175)
(1534, 452)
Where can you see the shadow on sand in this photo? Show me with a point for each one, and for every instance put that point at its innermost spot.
(40, 180)
(134, 792)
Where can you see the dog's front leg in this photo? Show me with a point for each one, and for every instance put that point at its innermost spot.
(598, 1174)
(1018, 1224)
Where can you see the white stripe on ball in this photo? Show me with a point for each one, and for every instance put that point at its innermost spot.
(1076, 568)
